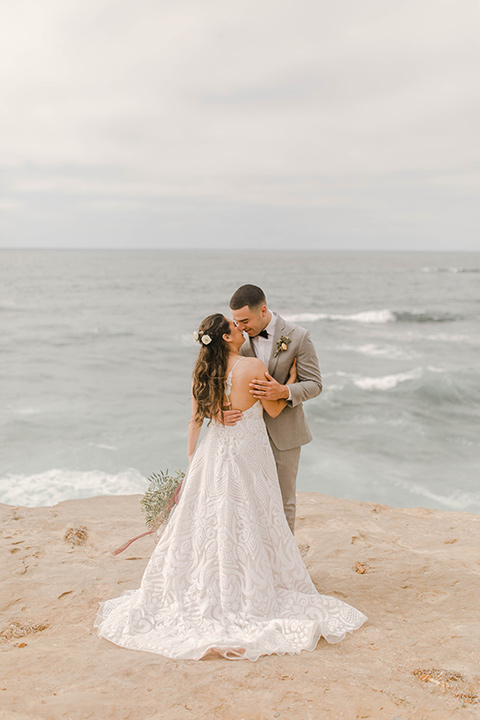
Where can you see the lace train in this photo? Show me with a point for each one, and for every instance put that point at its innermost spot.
(227, 573)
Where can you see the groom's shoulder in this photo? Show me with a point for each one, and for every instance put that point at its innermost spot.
(291, 327)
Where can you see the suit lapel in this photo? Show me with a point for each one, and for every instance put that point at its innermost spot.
(247, 348)
(279, 330)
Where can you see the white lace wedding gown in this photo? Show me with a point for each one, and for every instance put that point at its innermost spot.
(227, 573)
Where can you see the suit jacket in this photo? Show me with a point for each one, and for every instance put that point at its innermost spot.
(289, 429)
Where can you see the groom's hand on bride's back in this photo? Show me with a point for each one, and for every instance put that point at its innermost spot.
(229, 417)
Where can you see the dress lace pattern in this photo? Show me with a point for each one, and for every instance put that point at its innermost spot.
(227, 573)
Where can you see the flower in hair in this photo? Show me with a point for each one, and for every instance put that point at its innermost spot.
(202, 337)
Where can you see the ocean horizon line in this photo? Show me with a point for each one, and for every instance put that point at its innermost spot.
(247, 248)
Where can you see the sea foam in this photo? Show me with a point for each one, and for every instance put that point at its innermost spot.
(372, 350)
(387, 382)
(449, 270)
(456, 500)
(53, 486)
(377, 317)
(369, 316)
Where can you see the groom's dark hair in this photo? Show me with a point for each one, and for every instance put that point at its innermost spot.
(250, 295)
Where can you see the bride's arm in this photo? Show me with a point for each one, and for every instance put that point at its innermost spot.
(193, 431)
(272, 407)
(275, 407)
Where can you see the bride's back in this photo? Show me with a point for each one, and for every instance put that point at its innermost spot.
(244, 371)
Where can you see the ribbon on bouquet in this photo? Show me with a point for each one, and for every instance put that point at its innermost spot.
(159, 521)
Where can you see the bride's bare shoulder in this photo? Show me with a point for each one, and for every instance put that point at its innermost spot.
(252, 366)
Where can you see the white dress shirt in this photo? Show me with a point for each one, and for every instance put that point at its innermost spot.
(262, 347)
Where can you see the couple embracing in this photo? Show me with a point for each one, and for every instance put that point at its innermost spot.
(226, 575)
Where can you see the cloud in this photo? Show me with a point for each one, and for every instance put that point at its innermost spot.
(9, 204)
(339, 108)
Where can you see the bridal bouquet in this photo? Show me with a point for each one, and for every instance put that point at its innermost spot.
(157, 503)
(159, 499)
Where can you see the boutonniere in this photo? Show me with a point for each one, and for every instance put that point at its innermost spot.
(282, 344)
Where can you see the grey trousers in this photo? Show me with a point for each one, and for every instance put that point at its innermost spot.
(287, 468)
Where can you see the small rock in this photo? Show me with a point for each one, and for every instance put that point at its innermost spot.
(76, 535)
(20, 628)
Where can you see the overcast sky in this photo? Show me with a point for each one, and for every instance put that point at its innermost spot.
(339, 124)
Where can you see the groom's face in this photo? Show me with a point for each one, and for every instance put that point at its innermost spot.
(250, 320)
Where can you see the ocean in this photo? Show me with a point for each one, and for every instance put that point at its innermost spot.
(97, 355)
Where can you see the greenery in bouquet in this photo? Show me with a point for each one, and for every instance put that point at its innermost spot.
(157, 503)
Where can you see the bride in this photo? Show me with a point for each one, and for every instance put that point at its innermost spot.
(226, 575)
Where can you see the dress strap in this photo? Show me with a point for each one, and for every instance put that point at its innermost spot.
(235, 365)
(228, 382)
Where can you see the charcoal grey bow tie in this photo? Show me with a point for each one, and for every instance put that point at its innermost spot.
(262, 333)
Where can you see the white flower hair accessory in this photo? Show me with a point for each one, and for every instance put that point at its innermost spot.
(202, 337)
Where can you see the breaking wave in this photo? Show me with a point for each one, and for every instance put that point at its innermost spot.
(387, 382)
(456, 500)
(377, 317)
(449, 270)
(54, 486)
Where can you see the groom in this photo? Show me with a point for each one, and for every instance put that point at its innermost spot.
(277, 343)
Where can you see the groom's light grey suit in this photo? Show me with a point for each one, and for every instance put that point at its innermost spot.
(289, 430)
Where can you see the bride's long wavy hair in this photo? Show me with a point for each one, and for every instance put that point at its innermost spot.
(210, 371)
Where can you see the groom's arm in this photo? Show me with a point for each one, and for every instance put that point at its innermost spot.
(308, 384)
(309, 379)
